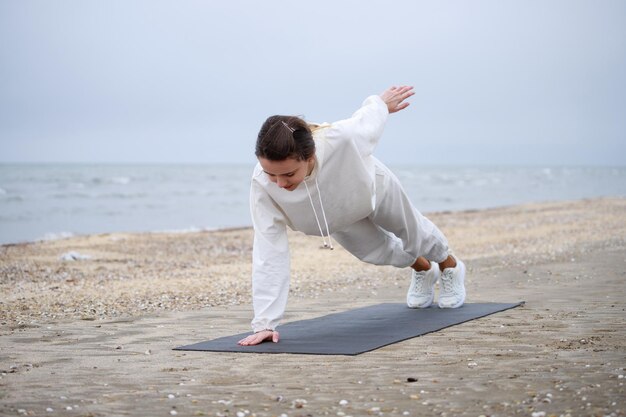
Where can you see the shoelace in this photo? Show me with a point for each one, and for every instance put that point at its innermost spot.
(328, 245)
(446, 280)
(419, 280)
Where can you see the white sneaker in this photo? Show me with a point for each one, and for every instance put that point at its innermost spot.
(452, 288)
(422, 289)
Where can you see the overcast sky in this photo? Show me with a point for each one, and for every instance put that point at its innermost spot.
(497, 82)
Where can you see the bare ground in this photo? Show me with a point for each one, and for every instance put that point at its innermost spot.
(94, 337)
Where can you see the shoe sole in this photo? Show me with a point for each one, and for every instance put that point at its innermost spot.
(460, 303)
(430, 302)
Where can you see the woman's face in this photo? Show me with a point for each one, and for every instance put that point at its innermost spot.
(288, 173)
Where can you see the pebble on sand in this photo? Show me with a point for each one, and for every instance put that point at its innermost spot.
(74, 256)
(298, 403)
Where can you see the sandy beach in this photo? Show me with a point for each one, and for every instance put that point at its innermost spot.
(88, 323)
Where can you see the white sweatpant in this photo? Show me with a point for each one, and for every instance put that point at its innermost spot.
(396, 233)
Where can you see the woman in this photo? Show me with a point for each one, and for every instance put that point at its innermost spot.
(323, 180)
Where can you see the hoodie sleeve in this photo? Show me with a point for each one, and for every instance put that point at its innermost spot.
(365, 127)
(270, 260)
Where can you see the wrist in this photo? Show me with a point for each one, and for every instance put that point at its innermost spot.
(264, 330)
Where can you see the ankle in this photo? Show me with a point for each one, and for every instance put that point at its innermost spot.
(450, 262)
(421, 264)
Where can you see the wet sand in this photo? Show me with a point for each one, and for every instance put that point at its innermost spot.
(93, 337)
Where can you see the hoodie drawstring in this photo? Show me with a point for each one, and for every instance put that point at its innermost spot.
(328, 245)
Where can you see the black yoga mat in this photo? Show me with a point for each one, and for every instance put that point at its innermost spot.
(356, 331)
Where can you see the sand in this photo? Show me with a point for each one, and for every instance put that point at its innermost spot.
(93, 337)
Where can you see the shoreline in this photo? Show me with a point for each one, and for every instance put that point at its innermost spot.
(192, 229)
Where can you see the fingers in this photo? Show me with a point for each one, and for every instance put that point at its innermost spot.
(394, 97)
(400, 93)
(253, 339)
(247, 341)
(405, 91)
(402, 106)
(256, 338)
(396, 102)
(401, 89)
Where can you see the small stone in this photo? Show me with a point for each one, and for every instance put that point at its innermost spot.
(410, 379)
(49, 410)
(472, 364)
(240, 414)
(298, 403)
(68, 408)
(171, 396)
(74, 256)
(538, 414)
(148, 352)
(173, 412)
(343, 402)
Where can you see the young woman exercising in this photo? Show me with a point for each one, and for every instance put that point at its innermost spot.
(323, 180)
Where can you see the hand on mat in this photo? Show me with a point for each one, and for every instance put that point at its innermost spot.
(258, 337)
(394, 97)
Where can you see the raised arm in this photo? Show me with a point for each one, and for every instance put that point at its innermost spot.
(366, 125)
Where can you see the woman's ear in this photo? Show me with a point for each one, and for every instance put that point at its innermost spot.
(310, 164)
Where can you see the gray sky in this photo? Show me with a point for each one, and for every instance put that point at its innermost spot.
(497, 82)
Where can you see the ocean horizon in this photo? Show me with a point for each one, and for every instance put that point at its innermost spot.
(51, 200)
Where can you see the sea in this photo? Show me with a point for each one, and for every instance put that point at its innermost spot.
(53, 201)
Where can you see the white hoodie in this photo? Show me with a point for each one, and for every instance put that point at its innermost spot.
(344, 171)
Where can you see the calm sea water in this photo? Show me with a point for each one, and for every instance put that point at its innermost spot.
(52, 201)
